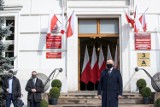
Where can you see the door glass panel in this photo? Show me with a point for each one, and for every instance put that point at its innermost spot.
(87, 26)
(109, 26)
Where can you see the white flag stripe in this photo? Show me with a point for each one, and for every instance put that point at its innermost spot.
(138, 25)
(116, 57)
(101, 57)
(109, 56)
(94, 57)
(86, 59)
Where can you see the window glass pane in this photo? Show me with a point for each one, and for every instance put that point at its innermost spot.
(10, 48)
(9, 54)
(109, 26)
(9, 41)
(8, 22)
(87, 26)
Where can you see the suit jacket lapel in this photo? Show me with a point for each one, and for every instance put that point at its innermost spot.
(112, 72)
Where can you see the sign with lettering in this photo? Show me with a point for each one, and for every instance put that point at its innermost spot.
(142, 41)
(53, 55)
(143, 59)
(53, 42)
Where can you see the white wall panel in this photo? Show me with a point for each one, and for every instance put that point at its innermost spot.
(152, 22)
(155, 43)
(44, 23)
(152, 5)
(88, 3)
(45, 7)
(29, 24)
(37, 60)
(15, 2)
(26, 5)
(32, 42)
(29, 60)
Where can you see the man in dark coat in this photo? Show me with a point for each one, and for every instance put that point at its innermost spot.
(35, 89)
(110, 86)
(12, 89)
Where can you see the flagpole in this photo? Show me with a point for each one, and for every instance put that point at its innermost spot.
(65, 38)
(145, 10)
(135, 12)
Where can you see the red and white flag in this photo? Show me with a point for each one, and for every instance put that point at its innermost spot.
(137, 25)
(116, 58)
(52, 24)
(85, 74)
(143, 22)
(94, 67)
(101, 63)
(109, 56)
(129, 19)
(70, 27)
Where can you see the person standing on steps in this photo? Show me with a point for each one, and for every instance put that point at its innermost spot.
(110, 86)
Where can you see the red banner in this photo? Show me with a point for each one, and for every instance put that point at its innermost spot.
(142, 41)
(53, 42)
(53, 55)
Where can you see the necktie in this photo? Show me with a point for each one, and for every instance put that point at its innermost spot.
(34, 81)
(109, 72)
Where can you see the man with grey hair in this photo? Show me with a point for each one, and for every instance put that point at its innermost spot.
(110, 86)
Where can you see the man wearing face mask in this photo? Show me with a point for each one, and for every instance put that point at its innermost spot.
(34, 88)
(12, 89)
(110, 86)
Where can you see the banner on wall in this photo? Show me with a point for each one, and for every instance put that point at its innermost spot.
(53, 55)
(143, 59)
(54, 42)
(142, 41)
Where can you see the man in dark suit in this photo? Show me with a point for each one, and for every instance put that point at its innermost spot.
(34, 88)
(12, 89)
(110, 86)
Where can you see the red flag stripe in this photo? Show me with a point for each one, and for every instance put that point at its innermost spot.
(85, 75)
(94, 67)
(94, 73)
(69, 32)
(101, 62)
(53, 22)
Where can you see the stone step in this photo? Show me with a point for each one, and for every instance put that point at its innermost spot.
(98, 105)
(93, 94)
(96, 101)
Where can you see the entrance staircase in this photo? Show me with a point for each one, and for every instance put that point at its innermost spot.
(90, 99)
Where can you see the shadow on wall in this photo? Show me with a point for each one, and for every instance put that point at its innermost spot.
(157, 53)
(125, 35)
(42, 41)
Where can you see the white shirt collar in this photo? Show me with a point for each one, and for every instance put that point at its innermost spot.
(111, 69)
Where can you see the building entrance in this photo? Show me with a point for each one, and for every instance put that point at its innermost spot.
(110, 49)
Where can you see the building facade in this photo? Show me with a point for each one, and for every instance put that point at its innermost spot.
(96, 22)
